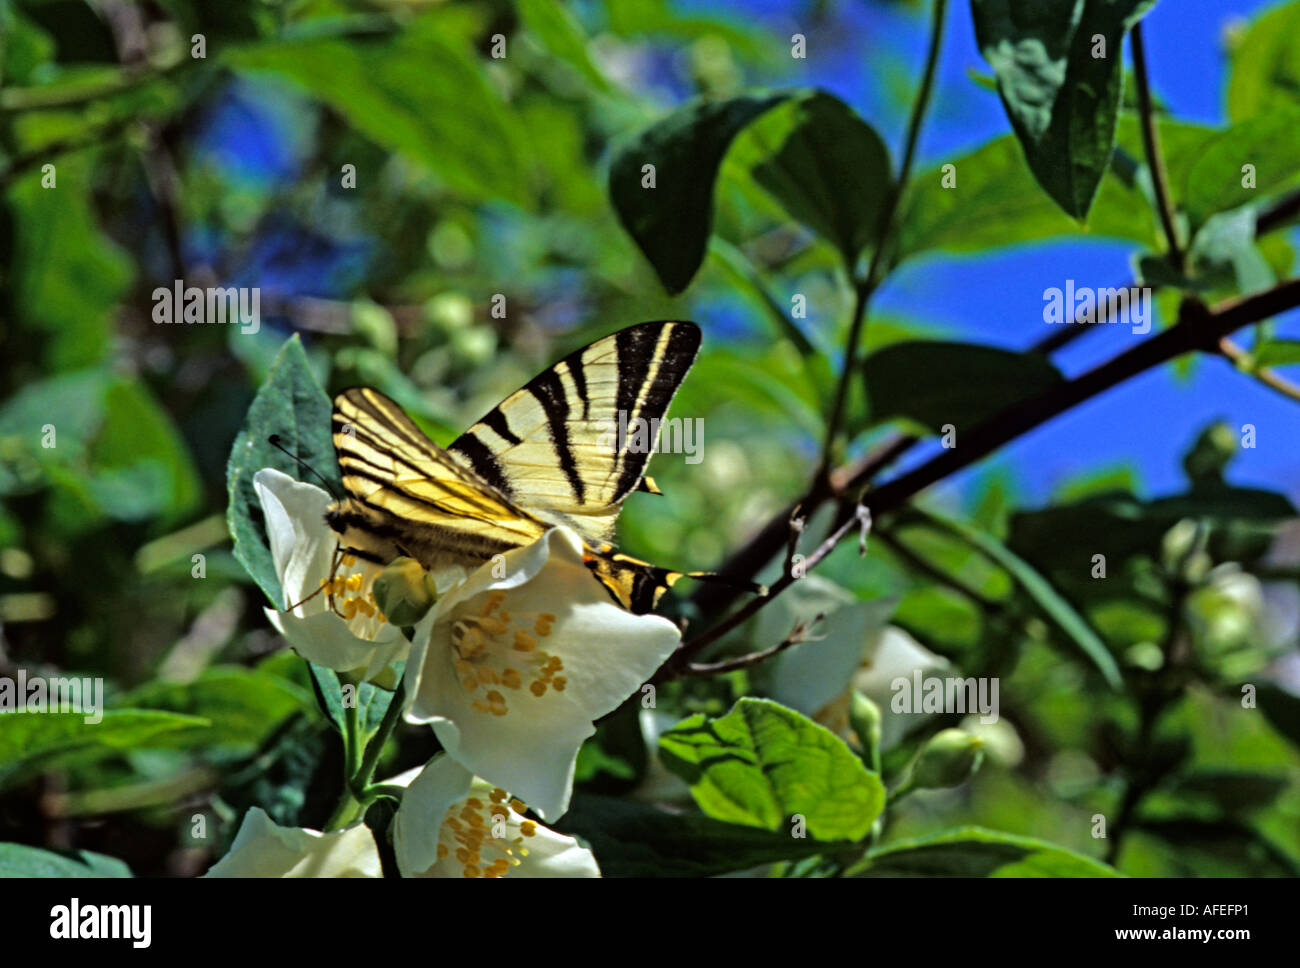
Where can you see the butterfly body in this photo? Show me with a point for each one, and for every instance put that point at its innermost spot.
(546, 456)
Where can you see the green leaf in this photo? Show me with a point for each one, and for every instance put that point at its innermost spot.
(556, 28)
(292, 405)
(976, 852)
(988, 199)
(827, 167)
(762, 764)
(372, 701)
(19, 860)
(1266, 64)
(422, 92)
(242, 705)
(1277, 352)
(672, 221)
(31, 742)
(1061, 100)
(934, 382)
(637, 840)
(1212, 180)
(1043, 594)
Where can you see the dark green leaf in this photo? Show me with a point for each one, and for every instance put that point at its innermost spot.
(1277, 352)
(291, 405)
(1282, 710)
(637, 840)
(671, 222)
(830, 170)
(1061, 99)
(933, 382)
(976, 852)
(762, 764)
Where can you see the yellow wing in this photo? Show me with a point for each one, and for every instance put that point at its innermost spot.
(407, 495)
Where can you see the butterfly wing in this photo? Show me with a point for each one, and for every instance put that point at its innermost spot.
(408, 496)
(554, 446)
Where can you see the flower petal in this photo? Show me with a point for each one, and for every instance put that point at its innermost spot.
(302, 546)
(263, 848)
(325, 639)
(430, 793)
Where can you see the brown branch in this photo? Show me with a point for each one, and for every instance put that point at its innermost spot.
(1198, 328)
(1264, 375)
(798, 634)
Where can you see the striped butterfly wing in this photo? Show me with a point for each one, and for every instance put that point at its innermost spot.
(554, 446)
(407, 495)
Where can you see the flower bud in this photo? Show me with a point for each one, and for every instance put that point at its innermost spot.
(404, 591)
(950, 758)
(864, 717)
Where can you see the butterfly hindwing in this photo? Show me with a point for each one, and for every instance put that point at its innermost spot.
(406, 495)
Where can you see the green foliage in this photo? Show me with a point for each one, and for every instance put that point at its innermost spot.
(1135, 637)
(638, 840)
(973, 852)
(31, 742)
(762, 764)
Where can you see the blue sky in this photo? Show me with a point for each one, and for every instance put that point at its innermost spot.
(1147, 423)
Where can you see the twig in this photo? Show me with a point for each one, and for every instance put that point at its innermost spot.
(798, 634)
(1151, 144)
(1264, 375)
(919, 563)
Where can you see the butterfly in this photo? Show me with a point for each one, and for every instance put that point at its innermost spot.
(547, 455)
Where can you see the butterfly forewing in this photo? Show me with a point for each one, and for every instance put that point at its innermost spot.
(555, 447)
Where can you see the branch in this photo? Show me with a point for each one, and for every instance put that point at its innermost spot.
(1266, 376)
(768, 541)
(798, 634)
(1197, 328)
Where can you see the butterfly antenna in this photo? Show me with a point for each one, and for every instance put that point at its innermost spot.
(274, 441)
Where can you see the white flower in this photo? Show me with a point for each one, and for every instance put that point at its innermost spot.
(890, 655)
(453, 824)
(512, 671)
(358, 641)
(263, 848)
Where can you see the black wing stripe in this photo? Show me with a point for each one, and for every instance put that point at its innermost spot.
(574, 367)
(548, 390)
(481, 459)
(647, 382)
(497, 421)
